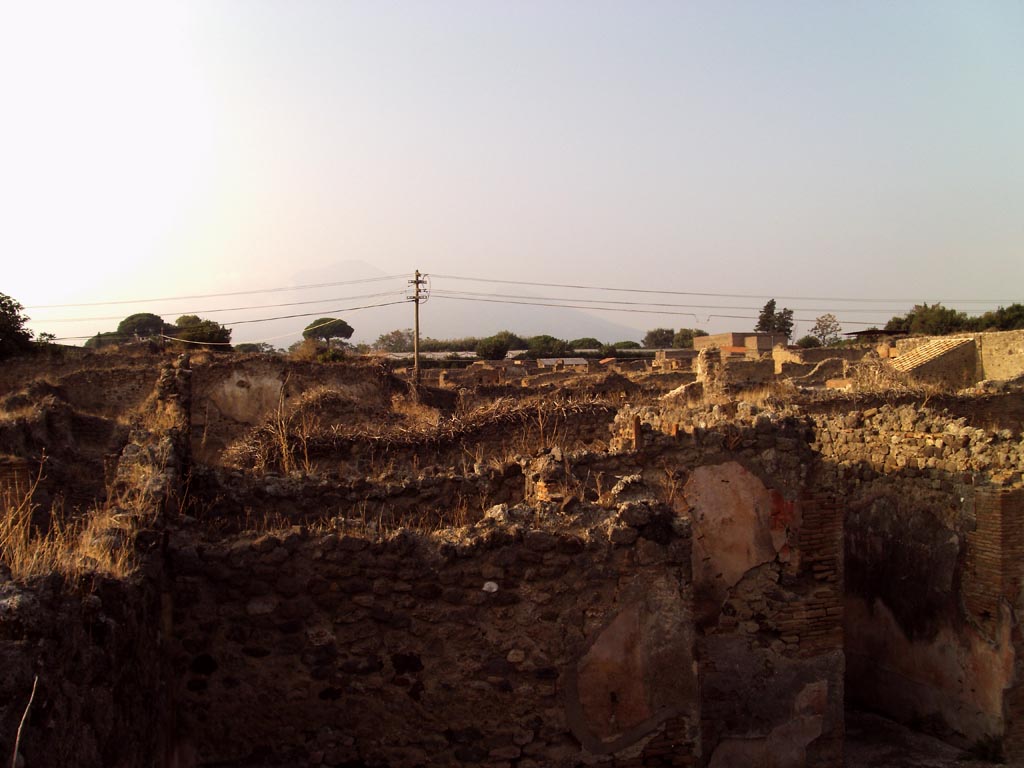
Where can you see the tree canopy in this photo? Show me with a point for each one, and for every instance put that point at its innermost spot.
(328, 328)
(1009, 318)
(826, 329)
(261, 347)
(770, 321)
(192, 328)
(930, 320)
(937, 320)
(102, 340)
(493, 347)
(547, 346)
(14, 336)
(808, 342)
(395, 341)
(513, 341)
(587, 342)
(144, 325)
(683, 338)
(659, 338)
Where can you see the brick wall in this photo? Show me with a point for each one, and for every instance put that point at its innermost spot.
(1008, 505)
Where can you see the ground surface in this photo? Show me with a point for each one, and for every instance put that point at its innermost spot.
(874, 742)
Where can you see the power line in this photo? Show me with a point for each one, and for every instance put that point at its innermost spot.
(264, 320)
(226, 309)
(313, 314)
(625, 309)
(713, 295)
(453, 294)
(216, 295)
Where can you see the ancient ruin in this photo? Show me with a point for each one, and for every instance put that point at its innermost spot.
(708, 563)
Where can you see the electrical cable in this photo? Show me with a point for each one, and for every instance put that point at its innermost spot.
(227, 309)
(442, 292)
(638, 311)
(264, 320)
(217, 295)
(714, 295)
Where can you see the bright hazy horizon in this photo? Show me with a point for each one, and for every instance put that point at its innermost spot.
(853, 158)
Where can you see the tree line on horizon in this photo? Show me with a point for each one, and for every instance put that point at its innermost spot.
(327, 337)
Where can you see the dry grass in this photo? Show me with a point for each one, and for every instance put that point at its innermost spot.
(765, 395)
(373, 521)
(98, 542)
(416, 413)
(878, 376)
(288, 441)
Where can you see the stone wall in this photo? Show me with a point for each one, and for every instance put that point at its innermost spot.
(230, 397)
(999, 354)
(744, 373)
(768, 573)
(783, 355)
(929, 613)
(821, 373)
(472, 449)
(90, 645)
(517, 644)
(955, 369)
(1002, 354)
(233, 500)
(931, 554)
(101, 384)
(95, 648)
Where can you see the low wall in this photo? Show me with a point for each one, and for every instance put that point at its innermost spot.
(230, 397)
(514, 645)
(788, 355)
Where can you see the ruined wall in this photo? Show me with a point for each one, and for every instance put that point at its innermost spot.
(518, 644)
(110, 392)
(955, 369)
(929, 618)
(769, 584)
(1001, 354)
(740, 373)
(95, 649)
(768, 575)
(931, 552)
(231, 396)
(471, 449)
(102, 384)
(821, 373)
(93, 645)
(783, 355)
(233, 500)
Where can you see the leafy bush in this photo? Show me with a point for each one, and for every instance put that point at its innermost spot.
(14, 337)
(492, 348)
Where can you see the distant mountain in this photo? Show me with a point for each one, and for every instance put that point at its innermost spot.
(440, 317)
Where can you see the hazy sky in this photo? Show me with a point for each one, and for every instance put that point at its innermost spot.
(861, 150)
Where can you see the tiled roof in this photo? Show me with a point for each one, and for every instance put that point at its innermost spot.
(927, 352)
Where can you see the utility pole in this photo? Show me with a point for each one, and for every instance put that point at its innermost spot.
(416, 282)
